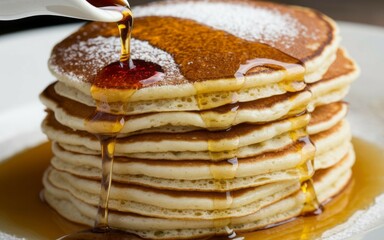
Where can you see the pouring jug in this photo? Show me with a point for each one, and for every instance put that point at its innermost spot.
(82, 9)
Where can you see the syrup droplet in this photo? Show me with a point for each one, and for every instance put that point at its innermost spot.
(121, 75)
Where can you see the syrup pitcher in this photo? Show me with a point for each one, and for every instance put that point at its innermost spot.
(82, 9)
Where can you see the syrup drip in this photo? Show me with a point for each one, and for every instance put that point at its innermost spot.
(306, 170)
(117, 73)
(221, 176)
(221, 180)
(107, 151)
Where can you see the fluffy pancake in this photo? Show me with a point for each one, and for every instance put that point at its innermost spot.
(72, 113)
(189, 103)
(326, 116)
(77, 211)
(342, 72)
(238, 136)
(189, 205)
(335, 83)
(200, 141)
(267, 167)
(180, 79)
(334, 138)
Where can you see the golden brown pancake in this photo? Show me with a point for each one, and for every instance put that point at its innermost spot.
(306, 37)
(338, 77)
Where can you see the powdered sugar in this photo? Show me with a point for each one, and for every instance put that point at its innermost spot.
(91, 55)
(244, 21)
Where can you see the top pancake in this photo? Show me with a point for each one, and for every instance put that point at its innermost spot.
(200, 50)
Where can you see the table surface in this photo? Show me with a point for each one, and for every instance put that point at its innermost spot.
(367, 11)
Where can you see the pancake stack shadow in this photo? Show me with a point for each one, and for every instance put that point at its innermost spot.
(196, 160)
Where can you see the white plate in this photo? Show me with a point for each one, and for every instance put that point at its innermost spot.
(24, 74)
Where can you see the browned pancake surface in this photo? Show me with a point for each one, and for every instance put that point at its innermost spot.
(201, 52)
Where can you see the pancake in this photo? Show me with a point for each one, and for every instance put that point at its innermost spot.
(72, 113)
(323, 118)
(335, 83)
(238, 136)
(184, 81)
(290, 157)
(170, 204)
(336, 137)
(341, 73)
(187, 185)
(191, 103)
(273, 144)
(198, 141)
(197, 175)
(326, 116)
(77, 211)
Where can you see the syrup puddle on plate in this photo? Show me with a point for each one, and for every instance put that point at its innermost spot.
(23, 214)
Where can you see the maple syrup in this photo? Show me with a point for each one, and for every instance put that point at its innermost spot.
(221, 174)
(307, 170)
(23, 214)
(127, 74)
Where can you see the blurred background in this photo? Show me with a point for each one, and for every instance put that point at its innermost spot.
(361, 11)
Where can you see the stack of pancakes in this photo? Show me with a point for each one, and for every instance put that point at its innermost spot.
(219, 142)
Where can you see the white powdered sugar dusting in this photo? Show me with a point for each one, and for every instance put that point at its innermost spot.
(86, 56)
(244, 21)
(4, 236)
(93, 54)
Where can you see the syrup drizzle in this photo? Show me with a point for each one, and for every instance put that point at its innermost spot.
(107, 150)
(307, 170)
